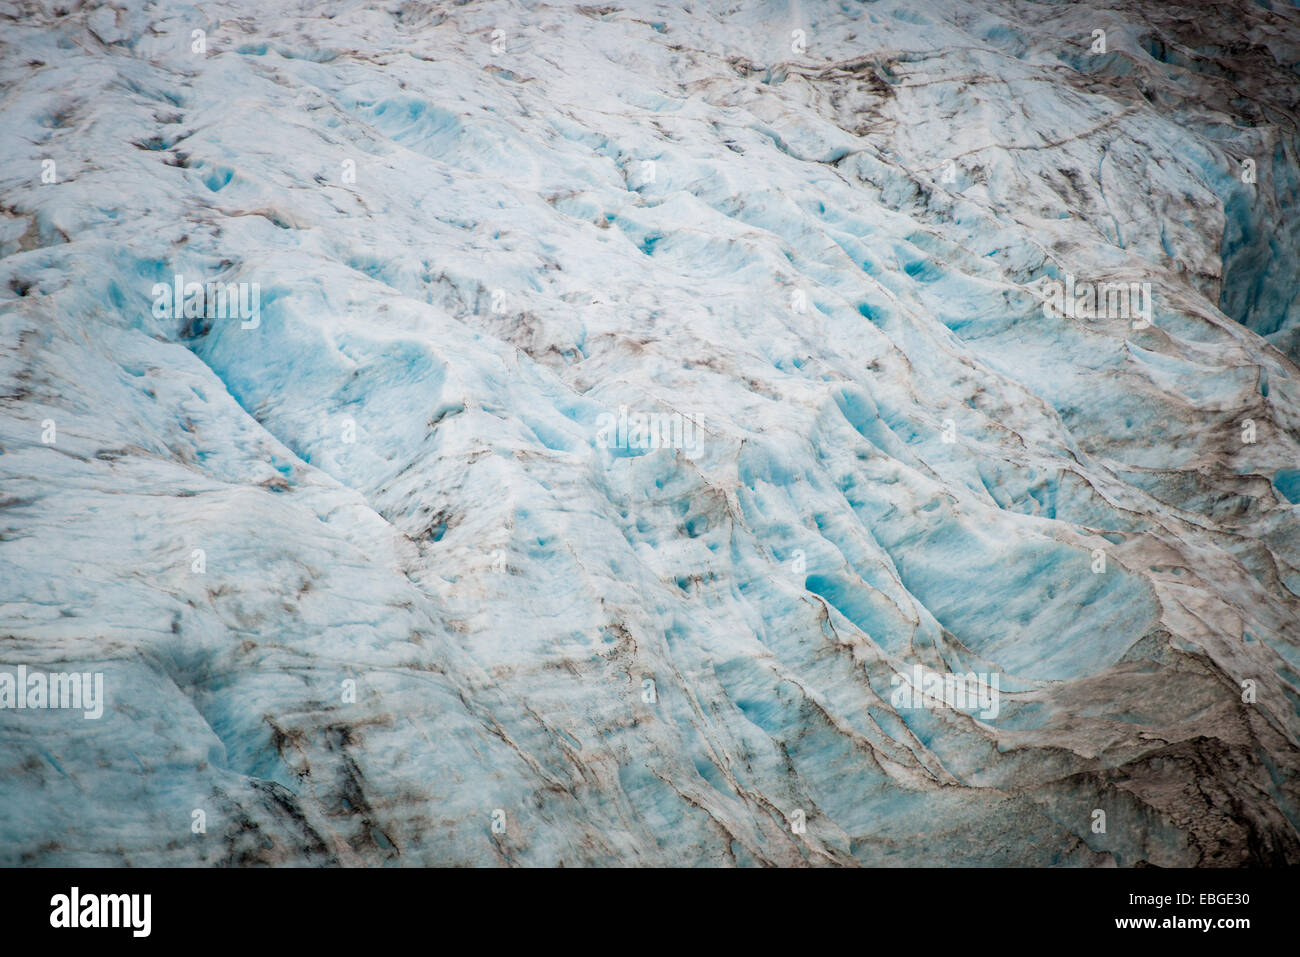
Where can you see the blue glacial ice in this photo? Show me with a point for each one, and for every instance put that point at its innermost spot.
(367, 586)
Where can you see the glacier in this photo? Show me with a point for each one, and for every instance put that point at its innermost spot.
(369, 583)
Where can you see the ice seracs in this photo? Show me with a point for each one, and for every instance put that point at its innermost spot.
(448, 613)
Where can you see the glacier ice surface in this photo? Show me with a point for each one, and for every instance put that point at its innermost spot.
(366, 586)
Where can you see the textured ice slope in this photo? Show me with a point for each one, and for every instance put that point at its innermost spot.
(831, 246)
